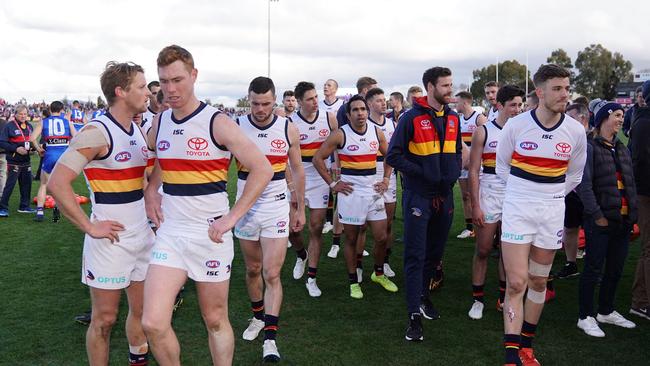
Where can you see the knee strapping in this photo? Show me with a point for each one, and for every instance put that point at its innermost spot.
(538, 297)
(537, 269)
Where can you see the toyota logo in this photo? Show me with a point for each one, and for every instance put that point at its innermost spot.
(197, 143)
(425, 123)
(278, 144)
(324, 132)
(563, 147)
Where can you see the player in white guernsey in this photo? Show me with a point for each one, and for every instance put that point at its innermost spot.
(314, 125)
(491, 88)
(487, 191)
(153, 108)
(361, 196)
(330, 102)
(377, 105)
(193, 143)
(263, 232)
(469, 120)
(111, 151)
(541, 155)
(289, 105)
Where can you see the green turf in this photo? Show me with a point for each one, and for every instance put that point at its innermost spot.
(41, 292)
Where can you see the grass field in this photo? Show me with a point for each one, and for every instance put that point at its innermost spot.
(41, 292)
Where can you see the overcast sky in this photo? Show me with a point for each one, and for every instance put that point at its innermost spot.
(51, 49)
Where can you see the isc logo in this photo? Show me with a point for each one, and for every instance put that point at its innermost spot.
(264, 135)
(177, 132)
(123, 156)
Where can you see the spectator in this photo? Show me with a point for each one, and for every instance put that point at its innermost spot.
(608, 194)
(641, 167)
(3, 158)
(639, 102)
(397, 104)
(14, 139)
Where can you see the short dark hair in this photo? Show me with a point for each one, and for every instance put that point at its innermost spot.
(582, 100)
(75, 102)
(261, 85)
(465, 95)
(549, 71)
(373, 93)
(639, 89)
(579, 107)
(491, 84)
(56, 106)
(365, 82)
(399, 96)
(356, 97)
(152, 84)
(532, 96)
(433, 74)
(509, 92)
(288, 93)
(303, 87)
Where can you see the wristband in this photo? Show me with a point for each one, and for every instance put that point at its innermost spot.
(334, 183)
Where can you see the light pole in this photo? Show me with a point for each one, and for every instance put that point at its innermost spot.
(269, 38)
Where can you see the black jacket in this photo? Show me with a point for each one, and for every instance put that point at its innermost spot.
(599, 188)
(640, 146)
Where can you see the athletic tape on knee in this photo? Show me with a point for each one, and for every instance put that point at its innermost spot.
(539, 270)
(538, 297)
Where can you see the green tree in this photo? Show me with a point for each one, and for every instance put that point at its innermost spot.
(243, 102)
(600, 72)
(510, 72)
(561, 58)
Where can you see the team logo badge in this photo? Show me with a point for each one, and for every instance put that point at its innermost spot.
(90, 275)
(163, 145)
(416, 212)
(373, 145)
(197, 143)
(324, 132)
(563, 147)
(145, 153)
(278, 144)
(528, 145)
(123, 156)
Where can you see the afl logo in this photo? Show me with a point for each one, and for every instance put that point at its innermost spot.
(324, 132)
(212, 264)
(278, 144)
(197, 143)
(123, 156)
(303, 137)
(353, 147)
(493, 144)
(373, 145)
(163, 145)
(281, 224)
(528, 145)
(563, 147)
(426, 123)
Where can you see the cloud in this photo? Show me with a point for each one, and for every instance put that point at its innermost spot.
(59, 49)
